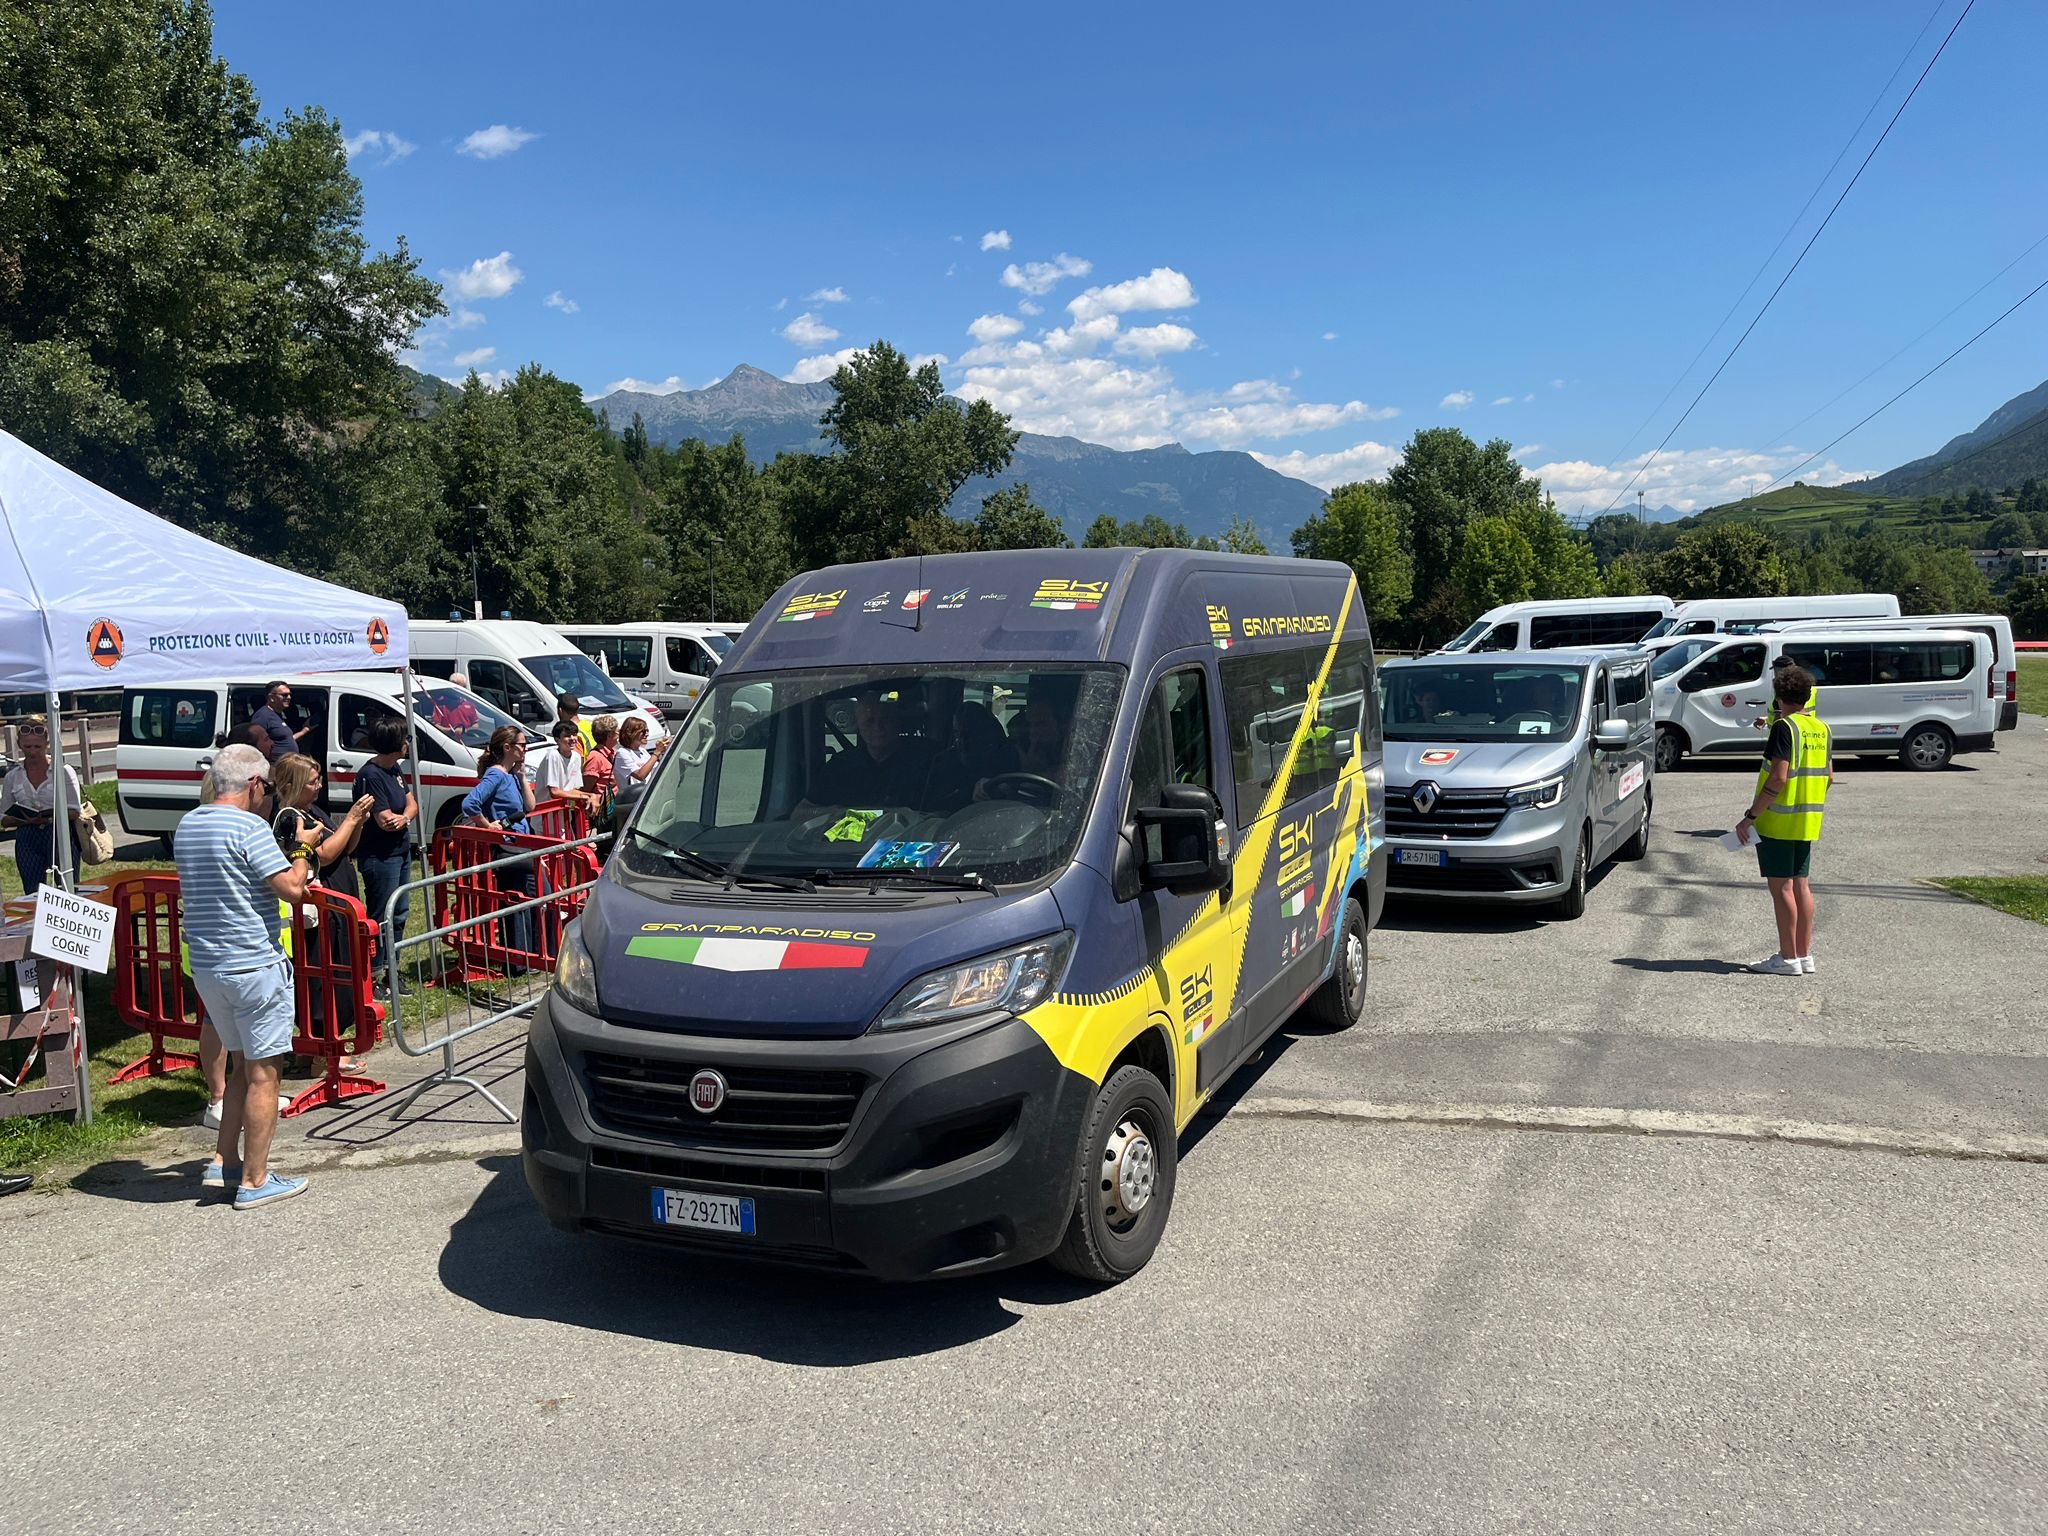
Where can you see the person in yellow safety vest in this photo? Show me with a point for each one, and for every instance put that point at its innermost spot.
(1784, 817)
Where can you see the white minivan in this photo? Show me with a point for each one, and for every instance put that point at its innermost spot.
(169, 734)
(1922, 694)
(2004, 683)
(669, 663)
(1564, 623)
(1744, 615)
(522, 667)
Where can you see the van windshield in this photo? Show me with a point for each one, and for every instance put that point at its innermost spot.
(1471, 633)
(457, 713)
(1664, 626)
(719, 643)
(1675, 658)
(1508, 701)
(948, 769)
(575, 673)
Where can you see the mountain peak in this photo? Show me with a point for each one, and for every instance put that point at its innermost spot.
(745, 374)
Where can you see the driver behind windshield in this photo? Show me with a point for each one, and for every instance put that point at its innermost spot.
(1551, 697)
(1044, 743)
(978, 751)
(879, 767)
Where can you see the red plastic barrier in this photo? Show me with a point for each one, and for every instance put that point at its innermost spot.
(562, 821)
(478, 892)
(335, 1013)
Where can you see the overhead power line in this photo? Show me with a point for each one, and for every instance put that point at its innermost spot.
(1797, 260)
(1895, 399)
(1765, 265)
(2033, 423)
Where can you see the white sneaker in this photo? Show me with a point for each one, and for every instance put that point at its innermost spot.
(1806, 966)
(1775, 965)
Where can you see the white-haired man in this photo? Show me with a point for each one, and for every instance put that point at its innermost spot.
(231, 876)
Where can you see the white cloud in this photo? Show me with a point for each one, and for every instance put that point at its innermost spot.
(994, 240)
(922, 358)
(476, 358)
(1361, 461)
(779, 305)
(1329, 335)
(1528, 448)
(1026, 307)
(488, 277)
(834, 295)
(463, 318)
(807, 330)
(1161, 288)
(489, 143)
(1087, 397)
(1504, 400)
(993, 328)
(1065, 341)
(490, 378)
(812, 369)
(1456, 400)
(1687, 479)
(1153, 340)
(1557, 383)
(1041, 277)
(952, 267)
(559, 300)
(1262, 408)
(1527, 398)
(668, 386)
(385, 147)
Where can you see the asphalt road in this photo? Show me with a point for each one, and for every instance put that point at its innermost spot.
(1357, 1320)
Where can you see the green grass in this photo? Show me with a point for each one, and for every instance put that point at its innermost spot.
(2021, 895)
(1798, 509)
(102, 795)
(2034, 685)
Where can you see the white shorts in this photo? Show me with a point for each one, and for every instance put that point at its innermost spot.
(252, 1011)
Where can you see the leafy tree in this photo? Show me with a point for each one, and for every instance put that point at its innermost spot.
(1241, 537)
(1495, 566)
(1629, 575)
(720, 523)
(901, 451)
(1445, 481)
(2026, 604)
(1010, 519)
(1150, 532)
(188, 309)
(1721, 560)
(1361, 526)
(2009, 530)
(1565, 566)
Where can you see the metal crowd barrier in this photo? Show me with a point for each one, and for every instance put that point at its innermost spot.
(498, 905)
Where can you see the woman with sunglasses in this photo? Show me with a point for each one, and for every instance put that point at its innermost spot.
(27, 795)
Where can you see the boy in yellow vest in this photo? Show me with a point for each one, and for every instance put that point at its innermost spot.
(1784, 817)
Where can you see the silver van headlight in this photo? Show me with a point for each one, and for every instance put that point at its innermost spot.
(1540, 796)
(1008, 981)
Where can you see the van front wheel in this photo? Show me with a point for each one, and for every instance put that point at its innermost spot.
(1339, 1002)
(1927, 749)
(1572, 904)
(1128, 1159)
(1669, 749)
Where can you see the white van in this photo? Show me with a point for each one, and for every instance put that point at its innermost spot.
(1918, 693)
(2003, 685)
(1744, 615)
(669, 663)
(170, 733)
(1565, 623)
(522, 667)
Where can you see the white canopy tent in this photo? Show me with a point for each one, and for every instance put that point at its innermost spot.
(98, 594)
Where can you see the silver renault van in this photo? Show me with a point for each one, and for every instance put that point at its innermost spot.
(1512, 776)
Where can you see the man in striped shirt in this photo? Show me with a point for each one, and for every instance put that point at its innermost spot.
(231, 876)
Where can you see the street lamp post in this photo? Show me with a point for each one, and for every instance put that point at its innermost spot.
(476, 596)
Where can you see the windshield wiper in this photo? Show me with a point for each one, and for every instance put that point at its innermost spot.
(711, 869)
(949, 879)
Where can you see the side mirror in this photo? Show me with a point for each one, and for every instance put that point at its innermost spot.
(531, 713)
(1180, 844)
(1611, 736)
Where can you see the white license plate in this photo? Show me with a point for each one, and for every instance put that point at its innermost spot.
(1429, 856)
(712, 1213)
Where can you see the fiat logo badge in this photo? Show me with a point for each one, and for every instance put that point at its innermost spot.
(1423, 797)
(707, 1092)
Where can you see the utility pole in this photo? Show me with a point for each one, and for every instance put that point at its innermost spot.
(476, 598)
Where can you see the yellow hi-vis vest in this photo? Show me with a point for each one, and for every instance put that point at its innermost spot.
(1795, 816)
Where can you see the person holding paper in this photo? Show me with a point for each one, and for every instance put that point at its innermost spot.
(27, 793)
(1784, 816)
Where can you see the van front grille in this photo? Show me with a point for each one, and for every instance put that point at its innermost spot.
(765, 1108)
(1458, 813)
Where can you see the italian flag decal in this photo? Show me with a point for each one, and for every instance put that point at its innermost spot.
(750, 954)
(1293, 906)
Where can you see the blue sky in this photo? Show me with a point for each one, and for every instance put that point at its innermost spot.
(1305, 232)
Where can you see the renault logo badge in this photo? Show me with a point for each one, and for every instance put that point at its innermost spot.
(707, 1092)
(1423, 797)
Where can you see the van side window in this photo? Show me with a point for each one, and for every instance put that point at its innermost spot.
(1555, 631)
(1631, 685)
(1921, 661)
(686, 656)
(168, 717)
(1341, 717)
(358, 714)
(631, 655)
(1173, 740)
(442, 667)
(1263, 700)
(1833, 666)
(1502, 637)
(1734, 666)
(487, 680)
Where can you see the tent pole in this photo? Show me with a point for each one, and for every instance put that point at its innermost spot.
(60, 876)
(412, 753)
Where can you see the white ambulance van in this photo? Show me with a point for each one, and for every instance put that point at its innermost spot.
(522, 667)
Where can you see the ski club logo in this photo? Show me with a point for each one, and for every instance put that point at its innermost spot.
(103, 644)
(1070, 596)
(380, 637)
(1436, 757)
(1219, 626)
(811, 605)
(915, 597)
(876, 603)
(954, 600)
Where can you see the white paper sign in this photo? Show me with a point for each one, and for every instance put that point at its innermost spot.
(71, 929)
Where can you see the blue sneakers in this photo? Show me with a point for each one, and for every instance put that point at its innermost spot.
(273, 1189)
(219, 1175)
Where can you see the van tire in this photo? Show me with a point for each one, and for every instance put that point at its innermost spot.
(1339, 1002)
(1928, 749)
(1097, 1246)
(1572, 904)
(1638, 846)
(1670, 749)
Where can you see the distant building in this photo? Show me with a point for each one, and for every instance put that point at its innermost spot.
(2033, 562)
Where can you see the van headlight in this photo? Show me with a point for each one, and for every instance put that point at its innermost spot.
(1540, 796)
(575, 975)
(1010, 981)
